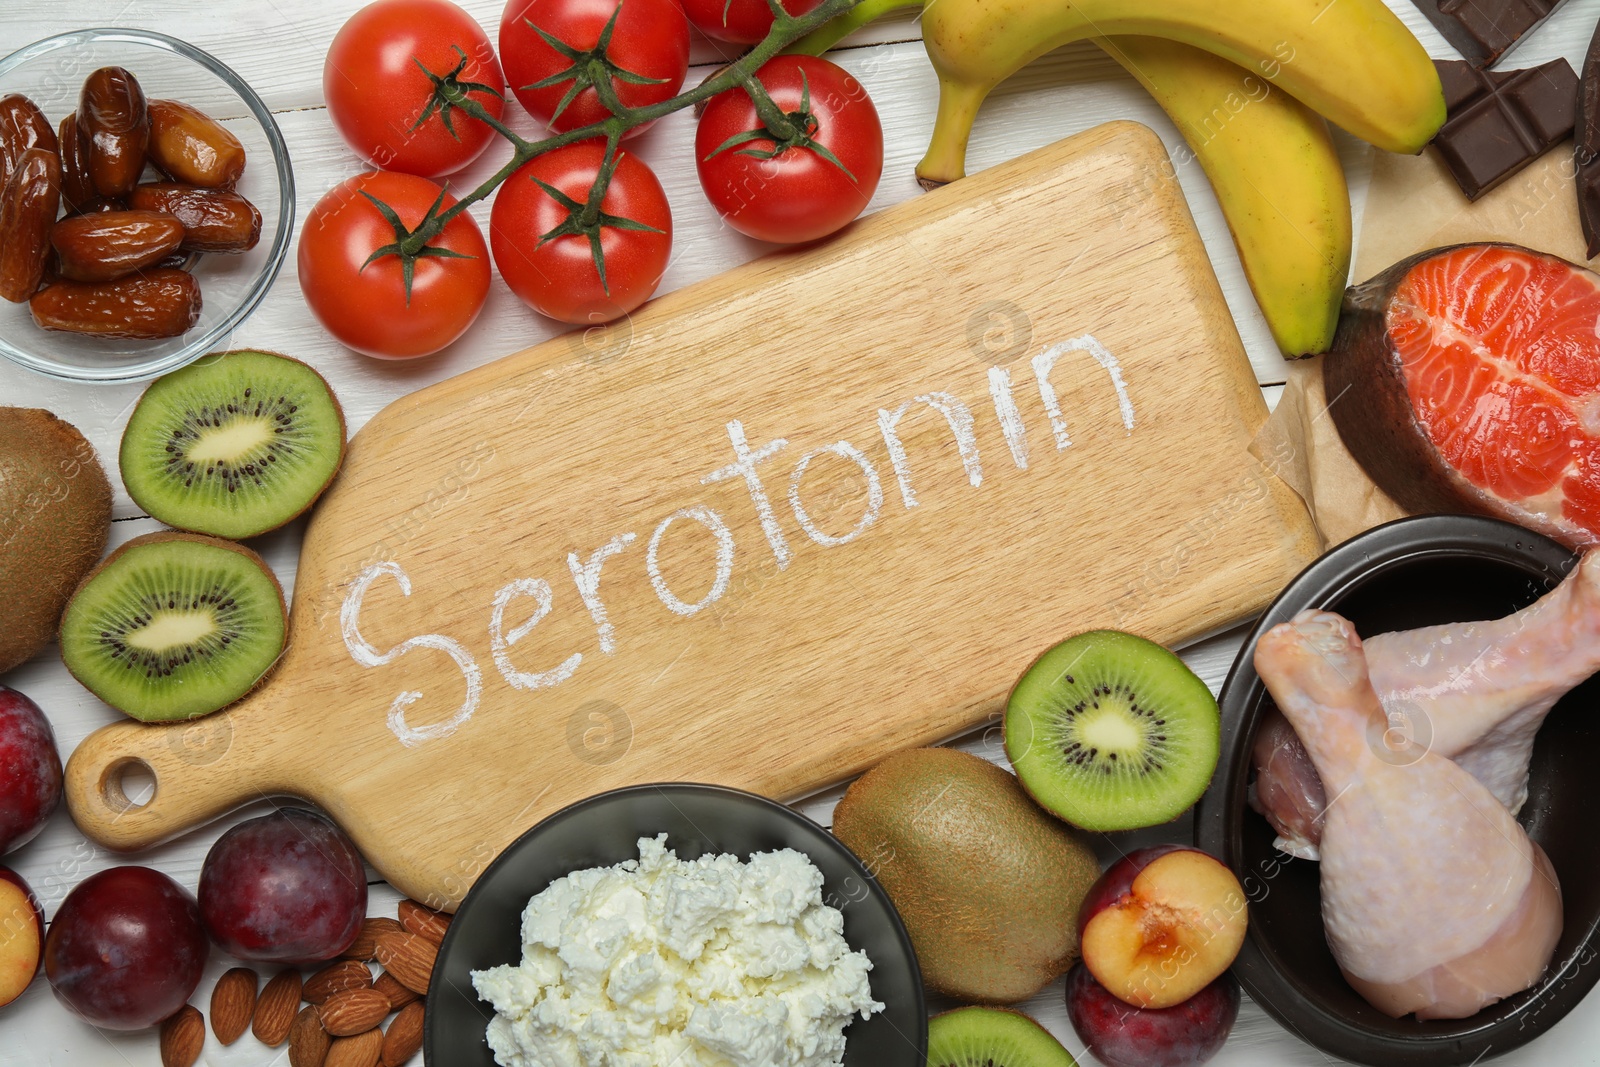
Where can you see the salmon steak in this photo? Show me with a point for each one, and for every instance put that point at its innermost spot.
(1467, 379)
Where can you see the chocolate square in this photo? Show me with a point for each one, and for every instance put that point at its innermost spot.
(1486, 30)
(1500, 121)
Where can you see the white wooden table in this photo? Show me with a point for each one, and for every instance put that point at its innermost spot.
(278, 47)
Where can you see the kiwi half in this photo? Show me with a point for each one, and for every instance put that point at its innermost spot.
(234, 445)
(174, 625)
(1112, 732)
(992, 1037)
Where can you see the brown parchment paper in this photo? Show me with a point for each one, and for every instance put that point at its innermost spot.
(1412, 205)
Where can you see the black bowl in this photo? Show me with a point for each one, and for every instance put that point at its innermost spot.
(1410, 573)
(604, 830)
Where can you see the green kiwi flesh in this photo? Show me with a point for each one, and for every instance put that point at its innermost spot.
(1112, 732)
(233, 445)
(173, 626)
(992, 1037)
(55, 516)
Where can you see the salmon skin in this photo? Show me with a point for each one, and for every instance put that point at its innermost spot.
(1467, 379)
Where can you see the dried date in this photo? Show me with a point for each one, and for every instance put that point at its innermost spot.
(214, 220)
(22, 126)
(77, 191)
(28, 205)
(113, 244)
(154, 304)
(189, 146)
(115, 125)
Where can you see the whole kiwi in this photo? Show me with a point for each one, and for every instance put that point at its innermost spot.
(55, 517)
(987, 883)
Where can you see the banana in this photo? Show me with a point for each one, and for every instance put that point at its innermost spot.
(1353, 61)
(1276, 174)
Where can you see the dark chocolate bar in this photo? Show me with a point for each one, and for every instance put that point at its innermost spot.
(1499, 121)
(1586, 153)
(1485, 30)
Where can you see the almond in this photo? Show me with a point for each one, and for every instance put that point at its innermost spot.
(404, 1036)
(276, 1008)
(364, 947)
(182, 1037)
(361, 1050)
(354, 1011)
(308, 1041)
(423, 921)
(336, 977)
(408, 957)
(233, 1002)
(399, 996)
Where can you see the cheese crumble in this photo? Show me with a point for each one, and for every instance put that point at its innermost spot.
(654, 962)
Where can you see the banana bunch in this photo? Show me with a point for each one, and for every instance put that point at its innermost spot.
(1243, 82)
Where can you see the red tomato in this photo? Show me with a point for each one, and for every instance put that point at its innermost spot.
(798, 194)
(739, 21)
(558, 277)
(376, 92)
(650, 41)
(364, 304)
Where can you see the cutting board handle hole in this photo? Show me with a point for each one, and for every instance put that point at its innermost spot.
(128, 784)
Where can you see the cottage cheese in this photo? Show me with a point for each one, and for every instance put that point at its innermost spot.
(711, 963)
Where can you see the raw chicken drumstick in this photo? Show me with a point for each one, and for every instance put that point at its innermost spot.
(1475, 692)
(1434, 899)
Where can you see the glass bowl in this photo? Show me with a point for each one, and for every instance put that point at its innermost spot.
(50, 73)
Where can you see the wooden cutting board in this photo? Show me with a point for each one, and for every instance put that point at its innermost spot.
(778, 525)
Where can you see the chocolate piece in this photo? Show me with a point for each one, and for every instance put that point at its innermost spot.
(1485, 30)
(1586, 153)
(1499, 121)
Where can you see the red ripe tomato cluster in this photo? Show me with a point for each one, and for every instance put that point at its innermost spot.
(567, 62)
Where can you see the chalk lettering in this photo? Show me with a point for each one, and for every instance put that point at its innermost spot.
(1005, 409)
(845, 450)
(746, 469)
(500, 641)
(586, 576)
(712, 521)
(1045, 362)
(363, 653)
(956, 413)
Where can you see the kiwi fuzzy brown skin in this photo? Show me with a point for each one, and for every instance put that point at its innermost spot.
(1366, 393)
(202, 539)
(49, 537)
(344, 442)
(988, 884)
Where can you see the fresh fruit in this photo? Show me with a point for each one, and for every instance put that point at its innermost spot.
(739, 21)
(371, 301)
(234, 445)
(115, 126)
(30, 770)
(988, 884)
(214, 220)
(233, 1003)
(810, 182)
(992, 1037)
(644, 57)
(189, 146)
(58, 506)
(28, 204)
(21, 935)
(1161, 924)
(1120, 1035)
(1353, 62)
(162, 302)
(112, 244)
(378, 80)
(174, 625)
(125, 949)
(1467, 379)
(570, 269)
(1112, 732)
(1277, 177)
(288, 887)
